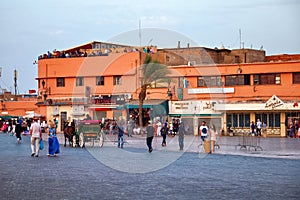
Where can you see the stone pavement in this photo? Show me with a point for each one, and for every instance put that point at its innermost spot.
(166, 173)
(251, 146)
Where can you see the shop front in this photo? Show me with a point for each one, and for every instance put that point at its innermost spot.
(275, 113)
(107, 106)
(154, 109)
(194, 112)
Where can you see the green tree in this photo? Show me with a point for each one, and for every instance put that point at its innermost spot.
(152, 71)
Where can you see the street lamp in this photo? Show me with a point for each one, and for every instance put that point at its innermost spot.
(43, 84)
(45, 90)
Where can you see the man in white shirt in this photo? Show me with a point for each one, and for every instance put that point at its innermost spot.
(36, 135)
(203, 130)
(258, 127)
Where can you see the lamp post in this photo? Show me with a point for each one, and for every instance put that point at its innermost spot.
(195, 122)
(45, 90)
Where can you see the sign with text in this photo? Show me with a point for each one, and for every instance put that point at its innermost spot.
(210, 90)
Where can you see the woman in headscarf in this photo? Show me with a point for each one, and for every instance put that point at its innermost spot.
(53, 148)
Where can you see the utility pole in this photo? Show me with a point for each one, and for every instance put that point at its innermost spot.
(15, 79)
(240, 33)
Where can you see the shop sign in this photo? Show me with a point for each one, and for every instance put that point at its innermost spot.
(78, 110)
(210, 90)
(191, 107)
(274, 102)
(108, 99)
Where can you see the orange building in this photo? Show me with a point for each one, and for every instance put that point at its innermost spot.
(234, 95)
(228, 88)
(17, 105)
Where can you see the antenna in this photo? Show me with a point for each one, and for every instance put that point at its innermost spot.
(240, 33)
(140, 33)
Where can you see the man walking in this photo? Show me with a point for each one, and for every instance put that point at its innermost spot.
(150, 133)
(36, 135)
(164, 132)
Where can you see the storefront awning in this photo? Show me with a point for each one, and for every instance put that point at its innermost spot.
(147, 103)
(103, 107)
(197, 115)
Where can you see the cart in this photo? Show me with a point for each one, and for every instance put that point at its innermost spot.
(90, 131)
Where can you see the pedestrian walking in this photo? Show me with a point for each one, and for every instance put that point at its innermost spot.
(175, 126)
(213, 137)
(181, 133)
(53, 144)
(252, 128)
(18, 131)
(35, 132)
(264, 129)
(150, 133)
(203, 130)
(296, 124)
(292, 130)
(120, 136)
(164, 131)
(158, 124)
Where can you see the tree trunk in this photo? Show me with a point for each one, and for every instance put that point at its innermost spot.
(142, 97)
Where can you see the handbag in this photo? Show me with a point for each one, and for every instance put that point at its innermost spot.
(41, 144)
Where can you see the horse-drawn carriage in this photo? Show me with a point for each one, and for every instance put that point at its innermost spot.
(85, 131)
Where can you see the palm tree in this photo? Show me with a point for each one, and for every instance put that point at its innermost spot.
(152, 71)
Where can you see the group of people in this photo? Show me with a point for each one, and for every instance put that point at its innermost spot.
(35, 131)
(294, 129)
(16, 127)
(178, 128)
(162, 130)
(95, 52)
(208, 134)
(259, 128)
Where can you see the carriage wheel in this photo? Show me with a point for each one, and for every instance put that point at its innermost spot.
(101, 139)
(74, 141)
(81, 140)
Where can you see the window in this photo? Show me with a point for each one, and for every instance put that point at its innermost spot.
(296, 78)
(79, 81)
(99, 80)
(209, 81)
(238, 120)
(236, 59)
(237, 80)
(117, 80)
(271, 119)
(60, 82)
(265, 79)
(183, 82)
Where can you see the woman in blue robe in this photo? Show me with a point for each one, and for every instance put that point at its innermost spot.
(53, 144)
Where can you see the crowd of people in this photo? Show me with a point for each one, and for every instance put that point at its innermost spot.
(93, 52)
(16, 127)
(35, 128)
(158, 129)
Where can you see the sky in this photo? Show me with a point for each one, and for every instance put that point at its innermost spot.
(32, 27)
